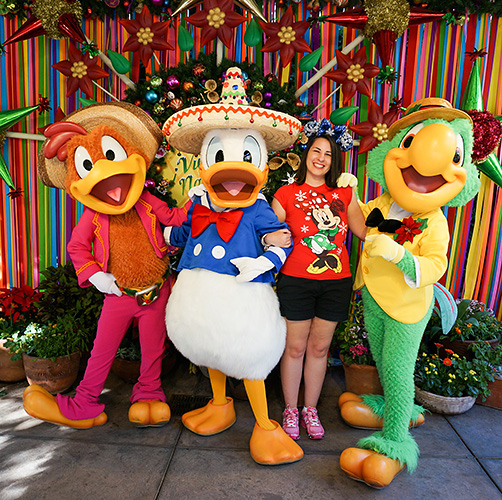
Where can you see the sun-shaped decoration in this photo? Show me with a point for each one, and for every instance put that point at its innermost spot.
(146, 35)
(286, 37)
(217, 19)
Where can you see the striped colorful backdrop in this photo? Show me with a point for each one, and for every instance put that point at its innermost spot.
(431, 60)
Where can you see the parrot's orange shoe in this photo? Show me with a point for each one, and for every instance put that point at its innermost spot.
(370, 467)
(210, 419)
(149, 413)
(41, 404)
(356, 414)
(273, 447)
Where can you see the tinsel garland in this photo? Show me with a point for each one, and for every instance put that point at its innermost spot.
(49, 11)
(390, 15)
(99, 9)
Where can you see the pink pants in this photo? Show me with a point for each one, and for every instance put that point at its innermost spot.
(116, 316)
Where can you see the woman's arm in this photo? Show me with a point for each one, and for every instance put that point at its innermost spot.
(357, 223)
(279, 211)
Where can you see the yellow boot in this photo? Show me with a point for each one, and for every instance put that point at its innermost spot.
(149, 413)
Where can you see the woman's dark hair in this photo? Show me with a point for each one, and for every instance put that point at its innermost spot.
(336, 162)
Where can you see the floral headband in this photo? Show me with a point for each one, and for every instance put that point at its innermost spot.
(325, 127)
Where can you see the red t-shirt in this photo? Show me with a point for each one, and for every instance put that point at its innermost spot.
(317, 219)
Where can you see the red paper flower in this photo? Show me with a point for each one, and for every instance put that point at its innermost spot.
(353, 74)
(286, 37)
(146, 36)
(374, 130)
(217, 19)
(80, 70)
(408, 230)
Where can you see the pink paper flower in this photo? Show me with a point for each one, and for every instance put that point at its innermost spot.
(286, 37)
(80, 70)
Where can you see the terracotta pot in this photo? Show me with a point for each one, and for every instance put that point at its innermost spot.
(460, 347)
(361, 379)
(54, 376)
(10, 371)
(127, 370)
(494, 400)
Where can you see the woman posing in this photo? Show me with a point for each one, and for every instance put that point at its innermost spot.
(315, 284)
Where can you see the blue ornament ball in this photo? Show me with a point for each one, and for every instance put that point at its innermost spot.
(151, 96)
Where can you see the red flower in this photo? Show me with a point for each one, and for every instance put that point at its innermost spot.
(408, 230)
(374, 130)
(146, 36)
(447, 361)
(80, 70)
(217, 19)
(353, 74)
(286, 37)
(449, 351)
(437, 344)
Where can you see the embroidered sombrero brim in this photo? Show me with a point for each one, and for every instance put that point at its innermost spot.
(134, 124)
(186, 129)
(424, 109)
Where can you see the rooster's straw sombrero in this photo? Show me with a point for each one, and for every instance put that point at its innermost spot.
(186, 129)
(423, 109)
(131, 122)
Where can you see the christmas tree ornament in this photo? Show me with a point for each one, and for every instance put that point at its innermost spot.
(151, 96)
(188, 86)
(198, 70)
(155, 82)
(172, 82)
(176, 104)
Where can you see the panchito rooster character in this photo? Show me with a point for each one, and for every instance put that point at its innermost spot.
(100, 155)
(425, 164)
(223, 312)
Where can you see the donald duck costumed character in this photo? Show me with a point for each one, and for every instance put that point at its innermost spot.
(223, 312)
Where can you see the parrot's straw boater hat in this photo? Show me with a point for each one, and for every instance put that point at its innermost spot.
(186, 129)
(131, 122)
(423, 109)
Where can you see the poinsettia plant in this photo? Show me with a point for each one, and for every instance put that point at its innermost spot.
(17, 308)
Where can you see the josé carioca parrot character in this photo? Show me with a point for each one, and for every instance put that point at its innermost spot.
(425, 164)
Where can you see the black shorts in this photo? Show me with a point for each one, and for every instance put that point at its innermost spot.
(302, 298)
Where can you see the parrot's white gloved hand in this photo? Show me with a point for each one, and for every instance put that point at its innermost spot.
(250, 268)
(105, 282)
(385, 247)
(347, 180)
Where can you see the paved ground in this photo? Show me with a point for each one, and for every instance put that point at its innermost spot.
(461, 456)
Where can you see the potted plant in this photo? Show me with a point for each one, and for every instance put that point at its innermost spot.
(60, 293)
(475, 322)
(492, 356)
(361, 375)
(128, 358)
(450, 384)
(50, 352)
(17, 309)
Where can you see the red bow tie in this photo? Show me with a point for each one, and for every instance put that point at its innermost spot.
(226, 222)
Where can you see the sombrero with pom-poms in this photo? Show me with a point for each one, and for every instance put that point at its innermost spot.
(186, 129)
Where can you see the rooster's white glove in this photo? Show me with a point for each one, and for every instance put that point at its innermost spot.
(250, 268)
(385, 247)
(105, 282)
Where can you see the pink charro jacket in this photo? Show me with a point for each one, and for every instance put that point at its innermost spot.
(89, 246)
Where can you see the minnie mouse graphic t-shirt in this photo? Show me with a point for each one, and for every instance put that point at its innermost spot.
(317, 219)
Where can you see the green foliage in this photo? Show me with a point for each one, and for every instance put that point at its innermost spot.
(52, 340)
(453, 376)
(129, 349)
(17, 309)
(474, 322)
(352, 338)
(62, 295)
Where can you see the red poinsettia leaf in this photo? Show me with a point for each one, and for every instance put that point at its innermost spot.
(95, 72)
(349, 89)
(272, 45)
(160, 44)
(232, 19)
(363, 128)
(364, 87)
(160, 29)
(391, 116)
(208, 33)
(145, 18)
(131, 45)
(287, 53)
(300, 28)
(375, 114)
(301, 46)
(367, 142)
(360, 57)
(287, 18)
(86, 86)
(64, 67)
(338, 75)
(370, 70)
(270, 29)
(72, 85)
(225, 34)
(131, 26)
(74, 54)
(343, 61)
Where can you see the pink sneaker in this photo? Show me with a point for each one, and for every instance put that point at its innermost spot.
(311, 422)
(290, 420)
